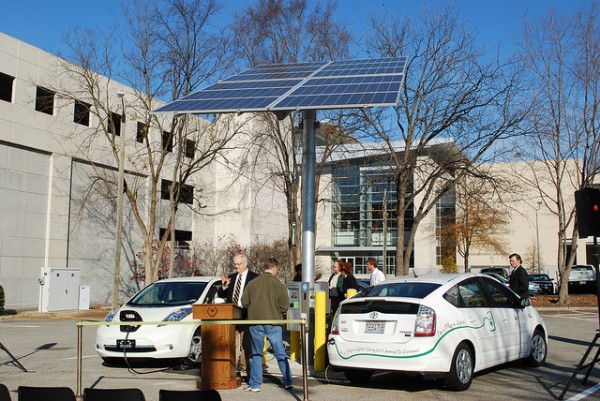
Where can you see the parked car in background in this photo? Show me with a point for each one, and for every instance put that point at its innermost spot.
(534, 288)
(497, 270)
(582, 279)
(545, 283)
(164, 300)
(363, 284)
(446, 326)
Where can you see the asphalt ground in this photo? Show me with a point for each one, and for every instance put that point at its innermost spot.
(46, 345)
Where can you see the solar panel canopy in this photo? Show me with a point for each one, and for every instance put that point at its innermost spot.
(300, 86)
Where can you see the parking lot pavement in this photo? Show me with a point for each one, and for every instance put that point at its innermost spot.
(47, 348)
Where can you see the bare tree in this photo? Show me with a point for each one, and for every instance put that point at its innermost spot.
(449, 93)
(169, 50)
(288, 31)
(562, 54)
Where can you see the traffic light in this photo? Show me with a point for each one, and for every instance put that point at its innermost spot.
(587, 204)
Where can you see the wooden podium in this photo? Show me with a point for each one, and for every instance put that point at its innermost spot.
(218, 366)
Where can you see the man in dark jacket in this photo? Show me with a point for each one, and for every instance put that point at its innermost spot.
(519, 279)
(267, 299)
(232, 290)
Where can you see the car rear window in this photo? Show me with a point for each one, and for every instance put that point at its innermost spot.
(168, 294)
(400, 290)
(400, 308)
(539, 277)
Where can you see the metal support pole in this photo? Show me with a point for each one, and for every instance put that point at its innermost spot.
(537, 233)
(308, 198)
(119, 227)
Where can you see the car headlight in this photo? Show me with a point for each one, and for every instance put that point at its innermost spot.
(178, 315)
(111, 315)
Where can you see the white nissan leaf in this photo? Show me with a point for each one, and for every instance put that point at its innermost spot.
(163, 301)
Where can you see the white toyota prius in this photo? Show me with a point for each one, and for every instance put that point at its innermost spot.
(438, 326)
(165, 300)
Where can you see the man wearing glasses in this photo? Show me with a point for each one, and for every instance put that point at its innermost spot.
(232, 290)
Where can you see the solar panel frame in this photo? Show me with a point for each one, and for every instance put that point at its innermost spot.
(300, 86)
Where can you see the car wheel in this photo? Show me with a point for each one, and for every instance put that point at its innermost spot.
(195, 354)
(358, 375)
(539, 349)
(461, 371)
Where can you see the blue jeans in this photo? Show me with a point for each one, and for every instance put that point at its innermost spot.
(274, 334)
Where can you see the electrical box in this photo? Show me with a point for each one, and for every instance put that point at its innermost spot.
(59, 289)
(84, 297)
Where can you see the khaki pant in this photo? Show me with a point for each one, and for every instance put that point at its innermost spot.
(243, 350)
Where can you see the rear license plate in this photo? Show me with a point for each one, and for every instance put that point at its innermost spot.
(375, 328)
(125, 343)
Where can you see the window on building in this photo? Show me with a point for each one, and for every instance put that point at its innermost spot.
(186, 192)
(81, 113)
(190, 148)
(44, 100)
(6, 87)
(364, 206)
(142, 132)
(114, 122)
(182, 237)
(445, 217)
(167, 141)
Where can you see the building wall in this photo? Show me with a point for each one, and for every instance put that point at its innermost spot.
(49, 218)
(521, 232)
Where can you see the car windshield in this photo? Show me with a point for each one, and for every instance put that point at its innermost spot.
(405, 289)
(539, 277)
(168, 294)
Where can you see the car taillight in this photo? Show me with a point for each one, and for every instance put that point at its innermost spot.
(335, 325)
(425, 322)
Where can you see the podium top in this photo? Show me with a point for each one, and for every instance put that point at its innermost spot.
(216, 311)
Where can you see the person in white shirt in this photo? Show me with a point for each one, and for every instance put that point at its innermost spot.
(376, 274)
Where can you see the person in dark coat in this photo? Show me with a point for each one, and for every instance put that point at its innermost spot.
(233, 290)
(349, 281)
(519, 279)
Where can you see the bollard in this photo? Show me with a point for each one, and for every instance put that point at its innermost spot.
(320, 330)
(350, 293)
(294, 345)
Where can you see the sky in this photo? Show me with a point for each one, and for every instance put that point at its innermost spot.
(45, 23)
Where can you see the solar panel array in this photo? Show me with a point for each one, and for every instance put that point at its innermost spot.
(301, 86)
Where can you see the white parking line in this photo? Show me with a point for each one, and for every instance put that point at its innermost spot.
(19, 326)
(82, 357)
(584, 394)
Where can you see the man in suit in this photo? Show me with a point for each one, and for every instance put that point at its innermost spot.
(232, 290)
(519, 279)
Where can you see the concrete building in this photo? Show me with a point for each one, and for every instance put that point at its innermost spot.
(50, 154)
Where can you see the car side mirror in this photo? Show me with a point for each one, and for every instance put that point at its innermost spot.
(525, 302)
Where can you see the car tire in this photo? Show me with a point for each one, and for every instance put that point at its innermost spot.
(461, 371)
(539, 349)
(195, 354)
(358, 375)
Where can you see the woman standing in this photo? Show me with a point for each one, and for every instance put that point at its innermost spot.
(349, 279)
(335, 286)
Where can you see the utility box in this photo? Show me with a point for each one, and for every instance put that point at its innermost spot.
(84, 297)
(300, 303)
(59, 289)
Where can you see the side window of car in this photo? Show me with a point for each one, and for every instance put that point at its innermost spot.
(212, 292)
(471, 294)
(454, 297)
(500, 295)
